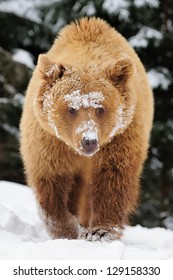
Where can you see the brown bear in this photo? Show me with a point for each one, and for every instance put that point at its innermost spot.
(85, 131)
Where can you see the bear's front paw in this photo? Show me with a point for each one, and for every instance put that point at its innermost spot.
(68, 228)
(98, 234)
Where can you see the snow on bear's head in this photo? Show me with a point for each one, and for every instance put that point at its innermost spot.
(85, 106)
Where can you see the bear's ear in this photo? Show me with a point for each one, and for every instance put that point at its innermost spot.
(48, 70)
(121, 71)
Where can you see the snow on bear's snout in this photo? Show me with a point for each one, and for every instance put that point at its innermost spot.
(89, 137)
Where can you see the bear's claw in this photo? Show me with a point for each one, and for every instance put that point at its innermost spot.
(99, 235)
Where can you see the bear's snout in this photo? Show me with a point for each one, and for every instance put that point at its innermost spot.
(89, 145)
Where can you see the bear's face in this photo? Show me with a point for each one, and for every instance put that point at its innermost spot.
(85, 108)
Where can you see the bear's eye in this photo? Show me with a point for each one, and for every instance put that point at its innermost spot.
(100, 111)
(61, 71)
(72, 111)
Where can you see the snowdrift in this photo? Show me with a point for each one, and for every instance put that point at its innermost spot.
(23, 236)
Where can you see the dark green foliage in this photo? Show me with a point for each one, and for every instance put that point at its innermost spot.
(13, 81)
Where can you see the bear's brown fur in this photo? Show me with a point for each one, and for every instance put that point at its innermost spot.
(85, 130)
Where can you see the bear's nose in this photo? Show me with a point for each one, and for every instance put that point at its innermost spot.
(89, 145)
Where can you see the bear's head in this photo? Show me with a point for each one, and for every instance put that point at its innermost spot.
(85, 106)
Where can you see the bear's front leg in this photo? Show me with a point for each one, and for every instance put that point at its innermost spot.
(114, 193)
(52, 195)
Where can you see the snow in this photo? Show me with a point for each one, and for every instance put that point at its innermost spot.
(155, 163)
(168, 222)
(141, 3)
(88, 129)
(23, 236)
(120, 8)
(23, 57)
(89, 9)
(11, 129)
(141, 39)
(123, 118)
(118, 121)
(26, 9)
(76, 100)
(17, 99)
(4, 100)
(159, 78)
(53, 68)
(48, 101)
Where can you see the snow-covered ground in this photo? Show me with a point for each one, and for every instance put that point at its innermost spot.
(23, 57)
(23, 236)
